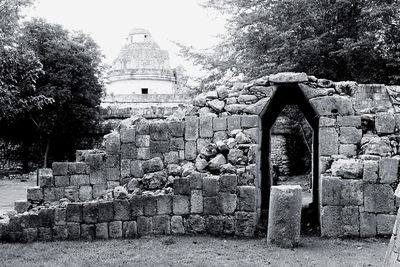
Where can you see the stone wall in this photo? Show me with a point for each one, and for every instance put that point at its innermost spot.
(200, 172)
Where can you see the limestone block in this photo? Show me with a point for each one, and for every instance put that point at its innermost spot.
(128, 151)
(46, 217)
(350, 135)
(328, 141)
(385, 123)
(288, 77)
(247, 99)
(85, 193)
(61, 181)
(327, 121)
(331, 190)
(161, 225)
(284, 216)
(122, 210)
(129, 229)
(351, 192)
(136, 168)
(20, 206)
(350, 221)
(385, 223)
(181, 186)
(97, 177)
(367, 224)
(250, 121)
(152, 165)
(149, 205)
(220, 136)
(115, 229)
(191, 128)
(105, 211)
(195, 180)
(331, 221)
(174, 170)
(125, 168)
(74, 231)
(112, 161)
(231, 100)
(333, 105)
(90, 213)
(35, 194)
(348, 150)
(88, 231)
(205, 148)
(196, 201)
(388, 169)
(227, 203)
(349, 121)
(143, 153)
(210, 205)
(102, 230)
(347, 168)
(159, 131)
(177, 144)
(171, 157)
(176, 128)
(164, 204)
(60, 232)
(217, 162)
(210, 186)
(214, 225)
(49, 194)
(195, 224)
(177, 227)
(180, 204)
(142, 140)
(128, 135)
(235, 108)
(233, 123)
(144, 225)
(60, 216)
(158, 147)
(74, 212)
(245, 223)
(376, 146)
(99, 190)
(228, 183)
(206, 126)
(219, 124)
(60, 168)
(79, 179)
(370, 173)
(45, 234)
(378, 198)
(247, 198)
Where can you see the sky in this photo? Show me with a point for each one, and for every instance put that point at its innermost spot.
(109, 22)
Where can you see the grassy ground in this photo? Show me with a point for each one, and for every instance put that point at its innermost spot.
(195, 251)
(12, 190)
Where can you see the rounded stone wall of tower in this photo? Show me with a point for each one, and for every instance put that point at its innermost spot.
(141, 67)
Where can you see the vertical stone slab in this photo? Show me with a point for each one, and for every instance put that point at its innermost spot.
(284, 216)
(328, 141)
(191, 128)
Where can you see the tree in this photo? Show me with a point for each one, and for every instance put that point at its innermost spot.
(335, 39)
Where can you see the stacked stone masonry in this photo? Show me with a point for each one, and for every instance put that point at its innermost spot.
(199, 172)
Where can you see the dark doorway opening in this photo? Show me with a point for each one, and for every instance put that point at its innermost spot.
(290, 96)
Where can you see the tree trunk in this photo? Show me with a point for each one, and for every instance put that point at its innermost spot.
(46, 154)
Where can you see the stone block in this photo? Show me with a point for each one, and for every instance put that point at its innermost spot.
(149, 205)
(331, 190)
(126, 168)
(220, 136)
(60, 232)
(385, 223)
(115, 229)
(219, 124)
(196, 201)
(378, 198)
(164, 204)
(350, 135)
(79, 179)
(97, 177)
(370, 173)
(101, 230)
(328, 141)
(190, 150)
(177, 144)
(171, 157)
(161, 225)
(351, 193)
(228, 183)
(331, 221)
(45, 234)
(350, 221)
(191, 128)
(90, 213)
(327, 122)
(195, 224)
(159, 131)
(349, 121)
(288, 77)
(210, 186)
(245, 223)
(105, 211)
(254, 134)
(128, 135)
(85, 193)
(206, 127)
(142, 141)
(143, 153)
(144, 225)
(60, 216)
(111, 161)
(177, 227)
(181, 186)
(348, 150)
(46, 217)
(20, 206)
(136, 203)
(284, 216)
(74, 231)
(233, 123)
(128, 151)
(35, 194)
(250, 121)
(367, 224)
(122, 210)
(49, 195)
(180, 204)
(60, 168)
(74, 212)
(227, 203)
(113, 174)
(385, 123)
(152, 165)
(196, 180)
(88, 231)
(99, 190)
(143, 127)
(210, 206)
(129, 229)
(113, 142)
(388, 169)
(247, 198)
(214, 225)
(61, 181)
(333, 105)
(136, 169)
(348, 168)
(204, 143)
(46, 180)
(176, 128)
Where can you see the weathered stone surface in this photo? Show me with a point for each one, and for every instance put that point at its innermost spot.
(196, 201)
(350, 221)
(177, 144)
(214, 225)
(190, 150)
(195, 224)
(384, 123)
(136, 205)
(60, 232)
(333, 105)
(235, 156)
(61, 181)
(74, 231)
(210, 206)
(60, 216)
(217, 162)
(164, 204)
(233, 123)
(143, 153)
(288, 77)
(35, 194)
(161, 225)
(311, 92)
(20, 206)
(235, 108)
(101, 230)
(373, 145)
(378, 198)
(327, 122)
(136, 169)
(367, 224)
(331, 190)
(79, 179)
(247, 198)
(245, 223)
(196, 180)
(144, 225)
(284, 216)
(388, 169)
(85, 193)
(216, 105)
(331, 221)
(219, 124)
(227, 203)
(90, 213)
(210, 186)
(129, 229)
(180, 204)
(128, 135)
(385, 223)
(159, 131)
(128, 151)
(191, 128)
(97, 177)
(328, 141)
(105, 211)
(120, 192)
(60, 168)
(149, 205)
(209, 150)
(115, 229)
(177, 225)
(228, 183)
(155, 180)
(99, 190)
(200, 100)
(247, 99)
(348, 150)
(171, 157)
(152, 165)
(200, 164)
(257, 107)
(44, 234)
(74, 212)
(347, 168)
(350, 135)
(181, 186)
(351, 192)
(349, 121)
(122, 210)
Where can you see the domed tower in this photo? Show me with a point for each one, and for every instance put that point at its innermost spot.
(141, 67)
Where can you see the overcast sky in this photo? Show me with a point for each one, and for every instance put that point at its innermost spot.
(109, 21)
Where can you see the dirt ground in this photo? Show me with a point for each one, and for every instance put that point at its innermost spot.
(12, 190)
(195, 251)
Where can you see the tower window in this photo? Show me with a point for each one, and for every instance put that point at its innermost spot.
(145, 91)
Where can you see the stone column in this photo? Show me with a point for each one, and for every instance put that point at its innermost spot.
(284, 216)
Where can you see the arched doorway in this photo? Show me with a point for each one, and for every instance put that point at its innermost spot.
(289, 94)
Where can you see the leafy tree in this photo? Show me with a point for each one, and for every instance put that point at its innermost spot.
(335, 39)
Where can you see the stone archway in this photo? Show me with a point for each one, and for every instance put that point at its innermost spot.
(288, 94)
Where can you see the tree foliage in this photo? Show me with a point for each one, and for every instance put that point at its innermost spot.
(335, 39)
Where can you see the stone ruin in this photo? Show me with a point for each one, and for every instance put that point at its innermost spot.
(207, 170)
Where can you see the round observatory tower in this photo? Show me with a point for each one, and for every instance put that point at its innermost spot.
(141, 68)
